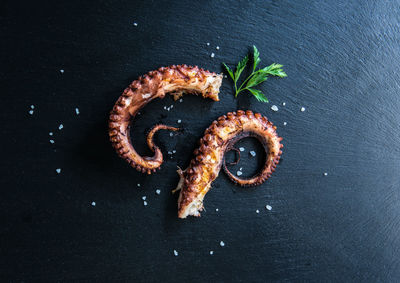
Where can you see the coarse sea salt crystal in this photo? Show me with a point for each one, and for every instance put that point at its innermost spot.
(302, 109)
(61, 126)
(93, 203)
(50, 133)
(253, 153)
(257, 211)
(217, 47)
(62, 71)
(208, 44)
(222, 244)
(158, 191)
(51, 141)
(239, 173)
(143, 197)
(179, 121)
(284, 103)
(241, 148)
(211, 252)
(58, 170)
(135, 24)
(325, 174)
(212, 55)
(138, 185)
(284, 123)
(175, 253)
(32, 106)
(216, 209)
(165, 107)
(268, 207)
(171, 134)
(174, 151)
(274, 108)
(180, 100)
(77, 111)
(31, 112)
(145, 203)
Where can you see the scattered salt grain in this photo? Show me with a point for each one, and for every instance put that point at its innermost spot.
(240, 168)
(165, 107)
(217, 47)
(284, 103)
(174, 151)
(253, 153)
(77, 111)
(216, 209)
(50, 133)
(62, 71)
(135, 24)
(257, 211)
(180, 100)
(284, 123)
(225, 76)
(58, 170)
(51, 141)
(302, 109)
(212, 55)
(179, 121)
(175, 253)
(171, 134)
(61, 126)
(211, 252)
(325, 174)
(222, 244)
(241, 148)
(158, 191)
(93, 203)
(239, 173)
(268, 207)
(32, 106)
(143, 197)
(208, 44)
(138, 185)
(145, 203)
(31, 112)
(274, 108)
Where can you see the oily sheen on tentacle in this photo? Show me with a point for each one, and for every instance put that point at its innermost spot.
(219, 138)
(175, 80)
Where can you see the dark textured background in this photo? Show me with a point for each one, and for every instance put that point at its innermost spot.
(342, 60)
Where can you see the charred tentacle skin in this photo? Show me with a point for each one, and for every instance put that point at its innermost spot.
(219, 138)
(175, 80)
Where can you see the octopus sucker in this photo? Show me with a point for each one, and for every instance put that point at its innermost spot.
(174, 80)
(218, 139)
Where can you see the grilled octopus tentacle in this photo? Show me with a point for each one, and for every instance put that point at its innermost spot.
(204, 168)
(175, 80)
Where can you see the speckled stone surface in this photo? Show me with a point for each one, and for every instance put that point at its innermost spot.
(342, 60)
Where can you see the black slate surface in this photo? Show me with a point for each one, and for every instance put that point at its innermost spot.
(342, 60)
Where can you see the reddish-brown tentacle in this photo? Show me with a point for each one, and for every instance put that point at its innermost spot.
(175, 80)
(223, 133)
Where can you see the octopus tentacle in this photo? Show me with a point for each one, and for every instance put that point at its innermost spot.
(219, 138)
(237, 160)
(174, 80)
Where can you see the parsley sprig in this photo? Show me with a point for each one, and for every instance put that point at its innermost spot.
(256, 77)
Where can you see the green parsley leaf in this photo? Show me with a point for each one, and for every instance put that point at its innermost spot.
(240, 67)
(229, 71)
(256, 57)
(258, 95)
(256, 77)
